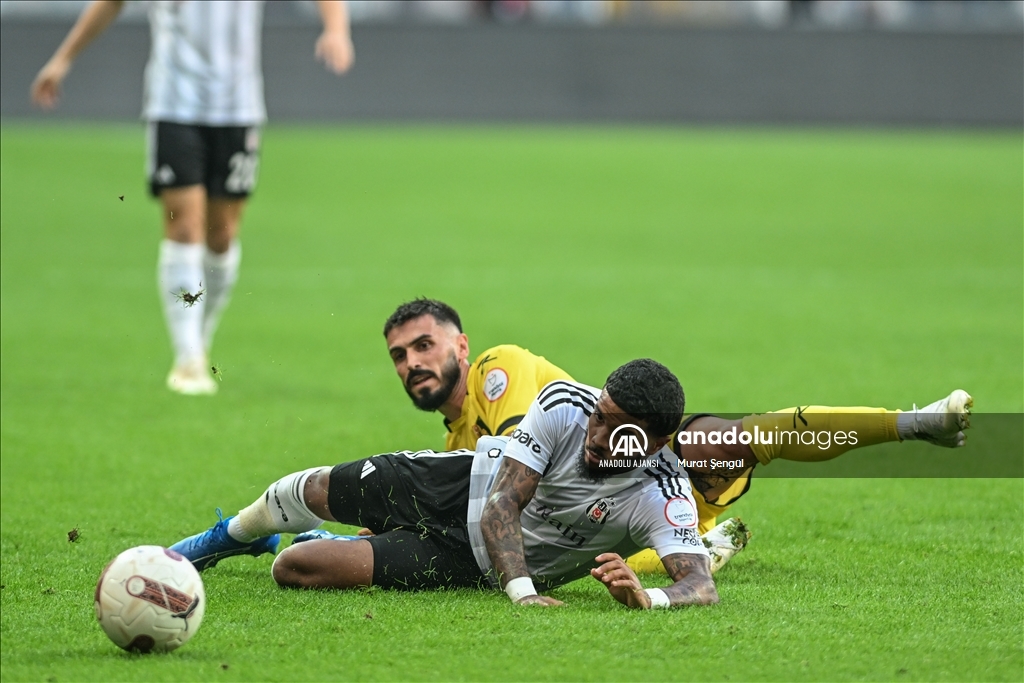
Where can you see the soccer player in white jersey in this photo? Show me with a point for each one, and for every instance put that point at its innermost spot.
(204, 106)
(553, 502)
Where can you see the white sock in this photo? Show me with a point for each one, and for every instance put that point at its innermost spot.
(905, 425)
(221, 273)
(282, 509)
(180, 268)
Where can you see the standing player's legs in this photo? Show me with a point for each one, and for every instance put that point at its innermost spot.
(202, 175)
(221, 259)
(176, 162)
(232, 169)
(181, 282)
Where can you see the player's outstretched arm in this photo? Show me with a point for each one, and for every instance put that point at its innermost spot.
(693, 583)
(514, 487)
(692, 574)
(93, 21)
(334, 46)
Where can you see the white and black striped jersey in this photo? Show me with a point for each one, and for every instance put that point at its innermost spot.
(205, 66)
(572, 518)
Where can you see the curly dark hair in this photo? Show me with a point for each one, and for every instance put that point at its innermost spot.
(647, 390)
(410, 310)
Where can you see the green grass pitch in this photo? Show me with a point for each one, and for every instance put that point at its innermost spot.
(768, 268)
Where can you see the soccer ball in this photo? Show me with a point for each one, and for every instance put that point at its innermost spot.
(150, 599)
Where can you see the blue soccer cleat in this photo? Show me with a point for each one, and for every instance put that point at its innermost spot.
(324, 535)
(213, 545)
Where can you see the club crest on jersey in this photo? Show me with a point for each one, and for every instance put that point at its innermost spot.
(628, 441)
(599, 510)
(495, 384)
(680, 512)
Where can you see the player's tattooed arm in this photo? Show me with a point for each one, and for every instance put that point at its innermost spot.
(693, 583)
(692, 575)
(514, 487)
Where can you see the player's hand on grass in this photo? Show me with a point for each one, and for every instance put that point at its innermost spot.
(541, 600)
(621, 581)
(334, 49)
(46, 86)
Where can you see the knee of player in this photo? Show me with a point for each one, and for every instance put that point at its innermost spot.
(289, 571)
(320, 480)
(314, 493)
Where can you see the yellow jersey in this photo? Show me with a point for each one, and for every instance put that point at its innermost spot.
(502, 383)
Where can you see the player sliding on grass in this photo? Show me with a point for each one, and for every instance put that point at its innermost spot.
(490, 397)
(552, 503)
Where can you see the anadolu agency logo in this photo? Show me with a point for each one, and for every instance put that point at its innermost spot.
(628, 444)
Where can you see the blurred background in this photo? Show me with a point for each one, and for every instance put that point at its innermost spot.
(901, 62)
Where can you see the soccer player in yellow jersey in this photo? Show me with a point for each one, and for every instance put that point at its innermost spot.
(500, 385)
(491, 395)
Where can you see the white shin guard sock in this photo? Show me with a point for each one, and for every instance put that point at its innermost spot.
(282, 509)
(180, 269)
(221, 273)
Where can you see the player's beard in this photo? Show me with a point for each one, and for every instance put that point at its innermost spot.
(432, 400)
(592, 474)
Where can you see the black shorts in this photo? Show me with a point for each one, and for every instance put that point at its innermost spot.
(224, 159)
(416, 504)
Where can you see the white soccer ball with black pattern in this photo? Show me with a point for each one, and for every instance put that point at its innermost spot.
(150, 599)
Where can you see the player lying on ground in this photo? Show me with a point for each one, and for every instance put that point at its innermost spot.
(547, 506)
(490, 397)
